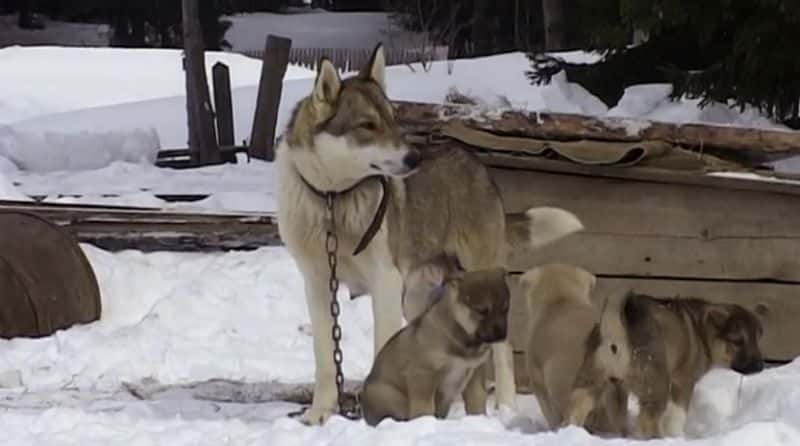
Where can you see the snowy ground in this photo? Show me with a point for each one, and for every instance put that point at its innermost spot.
(171, 322)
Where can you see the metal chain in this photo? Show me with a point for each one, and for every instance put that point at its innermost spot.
(348, 407)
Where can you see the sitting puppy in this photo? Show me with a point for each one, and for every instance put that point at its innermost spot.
(427, 364)
(658, 349)
(562, 317)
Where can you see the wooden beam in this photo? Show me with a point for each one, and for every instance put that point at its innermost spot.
(648, 229)
(744, 144)
(117, 228)
(270, 86)
(776, 305)
(223, 104)
(202, 137)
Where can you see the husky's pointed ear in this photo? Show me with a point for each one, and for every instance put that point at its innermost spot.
(327, 83)
(375, 69)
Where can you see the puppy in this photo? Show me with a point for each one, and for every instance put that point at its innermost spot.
(658, 349)
(427, 364)
(562, 317)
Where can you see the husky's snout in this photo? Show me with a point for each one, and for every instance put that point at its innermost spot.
(404, 163)
(412, 159)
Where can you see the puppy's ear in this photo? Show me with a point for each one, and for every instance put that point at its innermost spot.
(375, 69)
(716, 317)
(327, 83)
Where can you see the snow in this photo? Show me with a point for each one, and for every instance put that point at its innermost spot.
(175, 324)
(48, 79)
(166, 315)
(54, 150)
(7, 189)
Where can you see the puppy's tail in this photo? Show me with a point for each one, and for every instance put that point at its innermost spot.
(540, 226)
(613, 352)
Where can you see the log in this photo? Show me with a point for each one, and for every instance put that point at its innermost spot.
(270, 87)
(223, 103)
(202, 137)
(752, 146)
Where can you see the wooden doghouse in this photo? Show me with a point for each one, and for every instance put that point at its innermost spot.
(658, 225)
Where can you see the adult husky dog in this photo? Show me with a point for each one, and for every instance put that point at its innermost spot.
(393, 212)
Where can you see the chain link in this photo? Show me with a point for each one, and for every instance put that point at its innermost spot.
(348, 407)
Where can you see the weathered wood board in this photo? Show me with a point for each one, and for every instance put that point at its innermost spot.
(650, 229)
(118, 228)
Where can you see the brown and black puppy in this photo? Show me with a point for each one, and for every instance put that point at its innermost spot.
(658, 349)
(427, 364)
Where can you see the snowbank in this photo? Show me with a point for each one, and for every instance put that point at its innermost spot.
(7, 189)
(57, 150)
(57, 79)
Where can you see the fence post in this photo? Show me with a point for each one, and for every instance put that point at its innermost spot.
(270, 86)
(223, 103)
(202, 138)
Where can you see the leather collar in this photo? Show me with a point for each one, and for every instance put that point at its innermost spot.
(380, 213)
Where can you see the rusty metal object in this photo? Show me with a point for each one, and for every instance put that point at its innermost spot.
(46, 281)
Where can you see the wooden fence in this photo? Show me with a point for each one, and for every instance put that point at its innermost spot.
(351, 59)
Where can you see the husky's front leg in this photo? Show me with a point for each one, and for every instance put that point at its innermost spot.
(387, 306)
(325, 396)
(505, 388)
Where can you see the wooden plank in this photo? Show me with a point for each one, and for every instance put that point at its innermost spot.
(189, 237)
(223, 104)
(115, 227)
(752, 145)
(641, 255)
(270, 86)
(202, 139)
(777, 305)
(645, 229)
(638, 173)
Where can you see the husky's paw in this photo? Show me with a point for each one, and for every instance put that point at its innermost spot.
(508, 415)
(315, 416)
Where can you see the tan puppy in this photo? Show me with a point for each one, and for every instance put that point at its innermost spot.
(427, 364)
(561, 316)
(658, 349)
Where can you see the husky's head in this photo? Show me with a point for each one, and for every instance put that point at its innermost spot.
(346, 128)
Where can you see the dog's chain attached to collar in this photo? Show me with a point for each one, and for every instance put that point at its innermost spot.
(348, 407)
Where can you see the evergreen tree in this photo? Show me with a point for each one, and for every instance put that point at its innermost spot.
(472, 27)
(742, 51)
